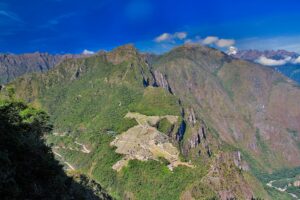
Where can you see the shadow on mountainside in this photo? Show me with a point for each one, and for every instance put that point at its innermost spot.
(28, 169)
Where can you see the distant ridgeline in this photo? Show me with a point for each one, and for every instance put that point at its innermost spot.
(291, 69)
(14, 65)
(28, 169)
(193, 123)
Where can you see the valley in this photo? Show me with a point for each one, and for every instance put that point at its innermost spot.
(192, 123)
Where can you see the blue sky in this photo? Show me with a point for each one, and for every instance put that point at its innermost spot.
(70, 26)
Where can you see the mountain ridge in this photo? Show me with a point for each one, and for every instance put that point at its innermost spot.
(221, 102)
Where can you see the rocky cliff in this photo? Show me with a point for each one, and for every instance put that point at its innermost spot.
(13, 66)
(234, 117)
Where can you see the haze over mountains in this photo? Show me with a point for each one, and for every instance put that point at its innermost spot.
(15, 65)
(236, 121)
(285, 62)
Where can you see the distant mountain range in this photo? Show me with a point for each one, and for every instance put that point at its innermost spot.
(13, 65)
(193, 123)
(285, 62)
(252, 55)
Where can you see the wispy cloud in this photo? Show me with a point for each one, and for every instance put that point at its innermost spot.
(56, 20)
(168, 37)
(271, 62)
(213, 40)
(210, 40)
(88, 52)
(10, 15)
(225, 42)
(10, 22)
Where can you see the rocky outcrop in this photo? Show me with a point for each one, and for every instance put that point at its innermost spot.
(296, 184)
(122, 54)
(225, 179)
(235, 97)
(162, 81)
(239, 163)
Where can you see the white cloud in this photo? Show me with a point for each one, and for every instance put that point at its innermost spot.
(167, 37)
(180, 35)
(163, 37)
(296, 61)
(210, 40)
(87, 52)
(271, 62)
(225, 42)
(188, 41)
(218, 41)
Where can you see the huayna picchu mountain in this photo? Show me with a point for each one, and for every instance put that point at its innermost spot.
(193, 123)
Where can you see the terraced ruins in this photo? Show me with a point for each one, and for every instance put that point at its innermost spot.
(144, 142)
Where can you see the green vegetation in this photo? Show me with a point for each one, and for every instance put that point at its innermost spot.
(28, 169)
(281, 174)
(164, 126)
(156, 101)
(88, 99)
(152, 180)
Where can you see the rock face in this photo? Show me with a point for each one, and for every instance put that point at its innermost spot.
(296, 184)
(230, 109)
(239, 100)
(13, 66)
(290, 69)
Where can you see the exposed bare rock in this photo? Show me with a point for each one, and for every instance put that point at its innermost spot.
(121, 54)
(191, 116)
(296, 184)
(13, 65)
(239, 163)
(162, 81)
(224, 178)
(246, 104)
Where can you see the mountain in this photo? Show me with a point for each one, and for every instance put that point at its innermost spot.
(13, 66)
(285, 62)
(193, 123)
(28, 169)
(253, 55)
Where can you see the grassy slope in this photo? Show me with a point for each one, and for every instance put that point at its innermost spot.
(91, 108)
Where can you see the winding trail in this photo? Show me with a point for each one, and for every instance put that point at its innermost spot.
(269, 184)
(84, 149)
(69, 165)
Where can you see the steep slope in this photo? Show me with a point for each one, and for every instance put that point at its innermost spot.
(250, 107)
(215, 98)
(289, 68)
(13, 66)
(28, 169)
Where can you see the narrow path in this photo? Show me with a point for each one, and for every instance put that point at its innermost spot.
(269, 184)
(85, 150)
(69, 165)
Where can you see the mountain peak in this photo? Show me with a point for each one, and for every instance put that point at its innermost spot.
(122, 53)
